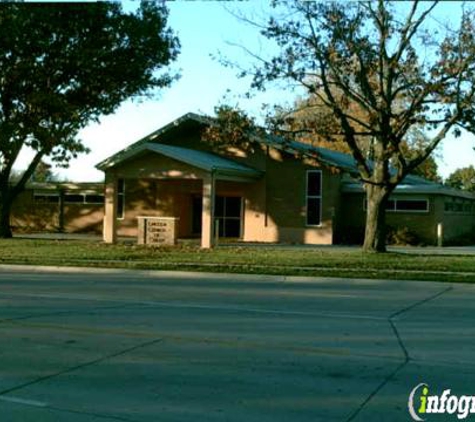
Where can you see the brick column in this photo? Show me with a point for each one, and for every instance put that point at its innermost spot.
(110, 215)
(207, 226)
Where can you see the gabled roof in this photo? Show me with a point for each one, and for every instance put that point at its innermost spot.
(56, 186)
(207, 161)
(327, 157)
(332, 158)
(155, 137)
(411, 189)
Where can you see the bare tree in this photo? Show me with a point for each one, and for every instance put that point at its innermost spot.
(393, 71)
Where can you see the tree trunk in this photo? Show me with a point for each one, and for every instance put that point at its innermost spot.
(5, 210)
(375, 230)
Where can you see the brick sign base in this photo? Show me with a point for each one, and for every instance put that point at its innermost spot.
(157, 231)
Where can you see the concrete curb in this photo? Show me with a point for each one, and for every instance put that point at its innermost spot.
(241, 277)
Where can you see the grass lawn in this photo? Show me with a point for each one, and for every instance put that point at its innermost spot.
(248, 259)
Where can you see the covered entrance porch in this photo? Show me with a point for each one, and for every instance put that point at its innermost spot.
(204, 190)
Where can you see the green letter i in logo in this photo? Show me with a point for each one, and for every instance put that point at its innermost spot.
(422, 408)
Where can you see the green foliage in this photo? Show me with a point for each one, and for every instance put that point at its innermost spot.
(429, 170)
(463, 179)
(309, 121)
(64, 65)
(43, 173)
(361, 60)
(413, 146)
(231, 127)
(402, 236)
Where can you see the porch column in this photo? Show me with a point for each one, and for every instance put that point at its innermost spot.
(207, 217)
(110, 215)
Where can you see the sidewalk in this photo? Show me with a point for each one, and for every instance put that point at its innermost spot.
(416, 250)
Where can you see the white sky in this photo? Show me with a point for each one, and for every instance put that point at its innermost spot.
(205, 28)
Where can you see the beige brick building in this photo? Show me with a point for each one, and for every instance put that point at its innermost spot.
(280, 191)
(59, 207)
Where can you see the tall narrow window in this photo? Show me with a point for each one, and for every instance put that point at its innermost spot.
(120, 198)
(314, 197)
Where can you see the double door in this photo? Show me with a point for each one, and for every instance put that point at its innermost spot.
(227, 211)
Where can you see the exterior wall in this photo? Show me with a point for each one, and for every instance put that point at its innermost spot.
(424, 224)
(456, 225)
(157, 186)
(159, 198)
(30, 215)
(274, 206)
(81, 218)
(352, 219)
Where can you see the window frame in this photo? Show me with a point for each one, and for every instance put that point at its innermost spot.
(38, 195)
(319, 197)
(225, 217)
(424, 211)
(395, 210)
(84, 195)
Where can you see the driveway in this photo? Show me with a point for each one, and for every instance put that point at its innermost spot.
(104, 345)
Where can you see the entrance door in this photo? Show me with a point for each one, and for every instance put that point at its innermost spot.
(227, 210)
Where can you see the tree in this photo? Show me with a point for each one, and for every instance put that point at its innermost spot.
(429, 170)
(62, 66)
(43, 173)
(412, 146)
(463, 178)
(390, 71)
(310, 121)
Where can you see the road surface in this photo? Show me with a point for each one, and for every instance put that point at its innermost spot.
(91, 345)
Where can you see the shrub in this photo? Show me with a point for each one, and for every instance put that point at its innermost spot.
(402, 236)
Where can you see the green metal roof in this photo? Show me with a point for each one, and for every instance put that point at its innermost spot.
(223, 167)
(327, 157)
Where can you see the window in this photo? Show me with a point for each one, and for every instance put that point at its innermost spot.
(405, 205)
(120, 198)
(314, 198)
(83, 198)
(459, 206)
(228, 210)
(46, 198)
(73, 198)
(412, 205)
(390, 205)
(94, 198)
(70, 197)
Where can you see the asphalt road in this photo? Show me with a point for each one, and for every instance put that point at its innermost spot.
(84, 345)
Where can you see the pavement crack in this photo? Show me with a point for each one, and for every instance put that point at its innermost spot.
(93, 414)
(69, 312)
(80, 366)
(376, 391)
(407, 357)
(419, 303)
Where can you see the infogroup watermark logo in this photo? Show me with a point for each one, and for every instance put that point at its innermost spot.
(421, 404)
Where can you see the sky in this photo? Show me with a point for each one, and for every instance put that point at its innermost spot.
(206, 29)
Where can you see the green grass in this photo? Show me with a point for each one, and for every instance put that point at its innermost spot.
(244, 259)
